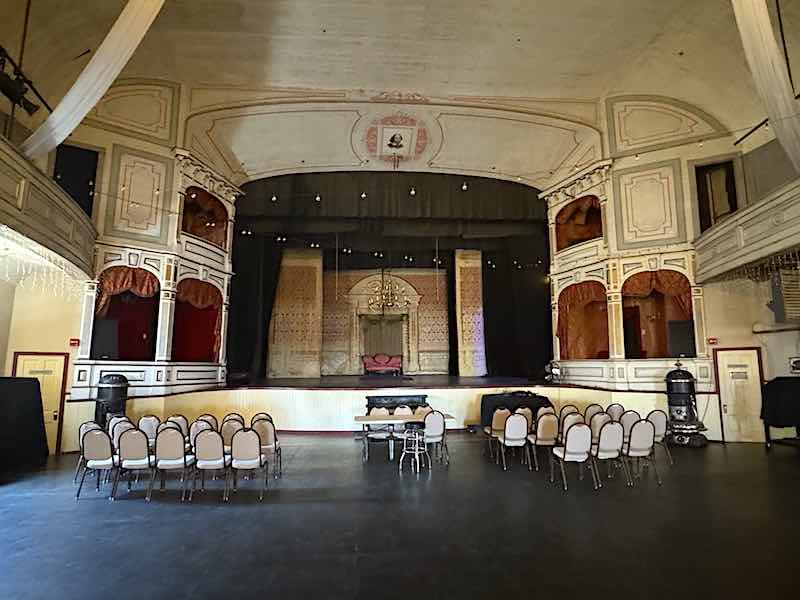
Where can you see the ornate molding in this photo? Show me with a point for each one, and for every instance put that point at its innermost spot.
(580, 183)
(195, 172)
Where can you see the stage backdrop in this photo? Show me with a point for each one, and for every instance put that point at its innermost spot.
(424, 333)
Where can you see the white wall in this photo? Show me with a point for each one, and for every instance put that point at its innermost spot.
(6, 306)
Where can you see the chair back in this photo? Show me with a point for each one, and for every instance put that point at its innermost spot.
(170, 444)
(570, 420)
(229, 429)
(149, 425)
(87, 426)
(233, 416)
(565, 411)
(210, 419)
(499, 419)
(597, 423)
(96, 445)
(527, 413)
(642, 438)
(610, 438)
(182, 422)
(434, 424)
(578, 440)
(403, 410)
(133, 445)
(120, 428)
(516, 429)
(246, 445)
(266, 431)
(659, 420)
(615, 411)
(259, 416)
(167, 425)
(547, 429)
(196, 428)
(628, 418)
(208, 445)
(545, 410)
(114, 420)
(423, 410)
(591, 411)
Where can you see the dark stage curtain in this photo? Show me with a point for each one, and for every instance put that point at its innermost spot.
(256, 265)
(516, 309)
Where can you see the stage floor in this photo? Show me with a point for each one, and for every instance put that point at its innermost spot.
(368, 382)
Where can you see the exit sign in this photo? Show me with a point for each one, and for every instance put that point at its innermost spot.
(74, 342)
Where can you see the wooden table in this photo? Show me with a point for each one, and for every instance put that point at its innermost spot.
(391, 421)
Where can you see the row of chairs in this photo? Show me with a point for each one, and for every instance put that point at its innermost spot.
(174, 445)
(594, 440)
(432, 434)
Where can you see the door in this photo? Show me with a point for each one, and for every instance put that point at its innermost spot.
(51, 371)
(739, 380)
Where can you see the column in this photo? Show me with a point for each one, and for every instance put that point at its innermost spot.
(698, 314)
(166, 318)
(87, 319)
(223, 335)
(616, 335)
(469, 313)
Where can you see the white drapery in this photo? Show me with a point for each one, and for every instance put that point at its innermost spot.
(107, 62)
(768, 68)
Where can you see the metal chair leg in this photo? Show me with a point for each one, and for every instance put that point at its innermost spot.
(535, 449)
(503, 452)
(150, 486)
(563, 474)
(80, 487)
(80, 464)
(627, 468)
(651, 460)
(113, 495)
(266, 477)
(667, 450)
(552, 468)
(594, 475)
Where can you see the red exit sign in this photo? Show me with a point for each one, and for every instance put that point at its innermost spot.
(74, 342)
(712, 341)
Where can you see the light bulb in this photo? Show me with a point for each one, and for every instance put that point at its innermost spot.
(412, 191)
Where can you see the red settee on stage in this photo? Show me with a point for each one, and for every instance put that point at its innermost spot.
(383, 363)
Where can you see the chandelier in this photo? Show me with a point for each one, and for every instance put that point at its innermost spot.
(387, 294)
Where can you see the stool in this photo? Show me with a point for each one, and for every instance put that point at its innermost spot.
(414, 446)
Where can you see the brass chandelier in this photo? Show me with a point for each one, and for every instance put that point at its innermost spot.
(387, 294)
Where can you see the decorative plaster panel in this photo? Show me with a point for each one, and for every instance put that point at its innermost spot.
(141, 186)
(140, 108)
(648, 205)
(646, 123)
(469, 314)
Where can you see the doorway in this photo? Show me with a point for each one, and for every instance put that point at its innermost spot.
(739, 377)
(50, 368)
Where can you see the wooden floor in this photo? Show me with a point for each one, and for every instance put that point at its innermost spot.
(723, 525)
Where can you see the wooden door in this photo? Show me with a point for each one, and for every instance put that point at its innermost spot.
(739, 381)
(51, 371)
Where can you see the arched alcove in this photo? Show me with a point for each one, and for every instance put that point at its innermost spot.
(583, 321)
(657, 315)
(579, 221)
(197, 324)
(126, 315)
(204, 216)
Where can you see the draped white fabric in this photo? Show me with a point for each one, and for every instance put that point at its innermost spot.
(768, 67)
(107, 62)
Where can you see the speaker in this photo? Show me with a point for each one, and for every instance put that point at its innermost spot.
(105, 339)
(681, 338)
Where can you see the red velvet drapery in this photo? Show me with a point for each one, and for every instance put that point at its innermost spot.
(579, 221)
(651, 300)
(672, 284)
(583, 321)
(198, 322)
(205, 216)
(116, 280)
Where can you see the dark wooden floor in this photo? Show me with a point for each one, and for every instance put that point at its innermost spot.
(723, 525)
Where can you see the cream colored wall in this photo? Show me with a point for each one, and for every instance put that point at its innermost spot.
(42, 322)
(6, 307)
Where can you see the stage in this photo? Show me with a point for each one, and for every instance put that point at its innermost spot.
(370, 382)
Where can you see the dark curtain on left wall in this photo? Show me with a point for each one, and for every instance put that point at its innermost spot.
(256, 265)
(516, 309)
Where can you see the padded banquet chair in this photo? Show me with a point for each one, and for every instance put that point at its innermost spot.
(210, 456)
(171, 456)
(246, 456)
(545, 434)
(515, 435)
(575, 449)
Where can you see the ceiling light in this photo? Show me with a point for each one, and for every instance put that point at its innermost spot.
(412, 191)
(274, 198)
(635, 157)
(193, 195)
(519, 178)
(464, 187)
(317, 198)
(363, 195)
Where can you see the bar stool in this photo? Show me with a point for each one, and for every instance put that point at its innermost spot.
(414, 445)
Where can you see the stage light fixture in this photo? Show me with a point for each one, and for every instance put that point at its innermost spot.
(363, 195)
(193, 195)
(15, 89)
(464, 187)
(412, 191)
(274, 198)
(317, 198)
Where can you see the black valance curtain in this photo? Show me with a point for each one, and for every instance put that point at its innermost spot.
(516, 309)
(256, 266)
